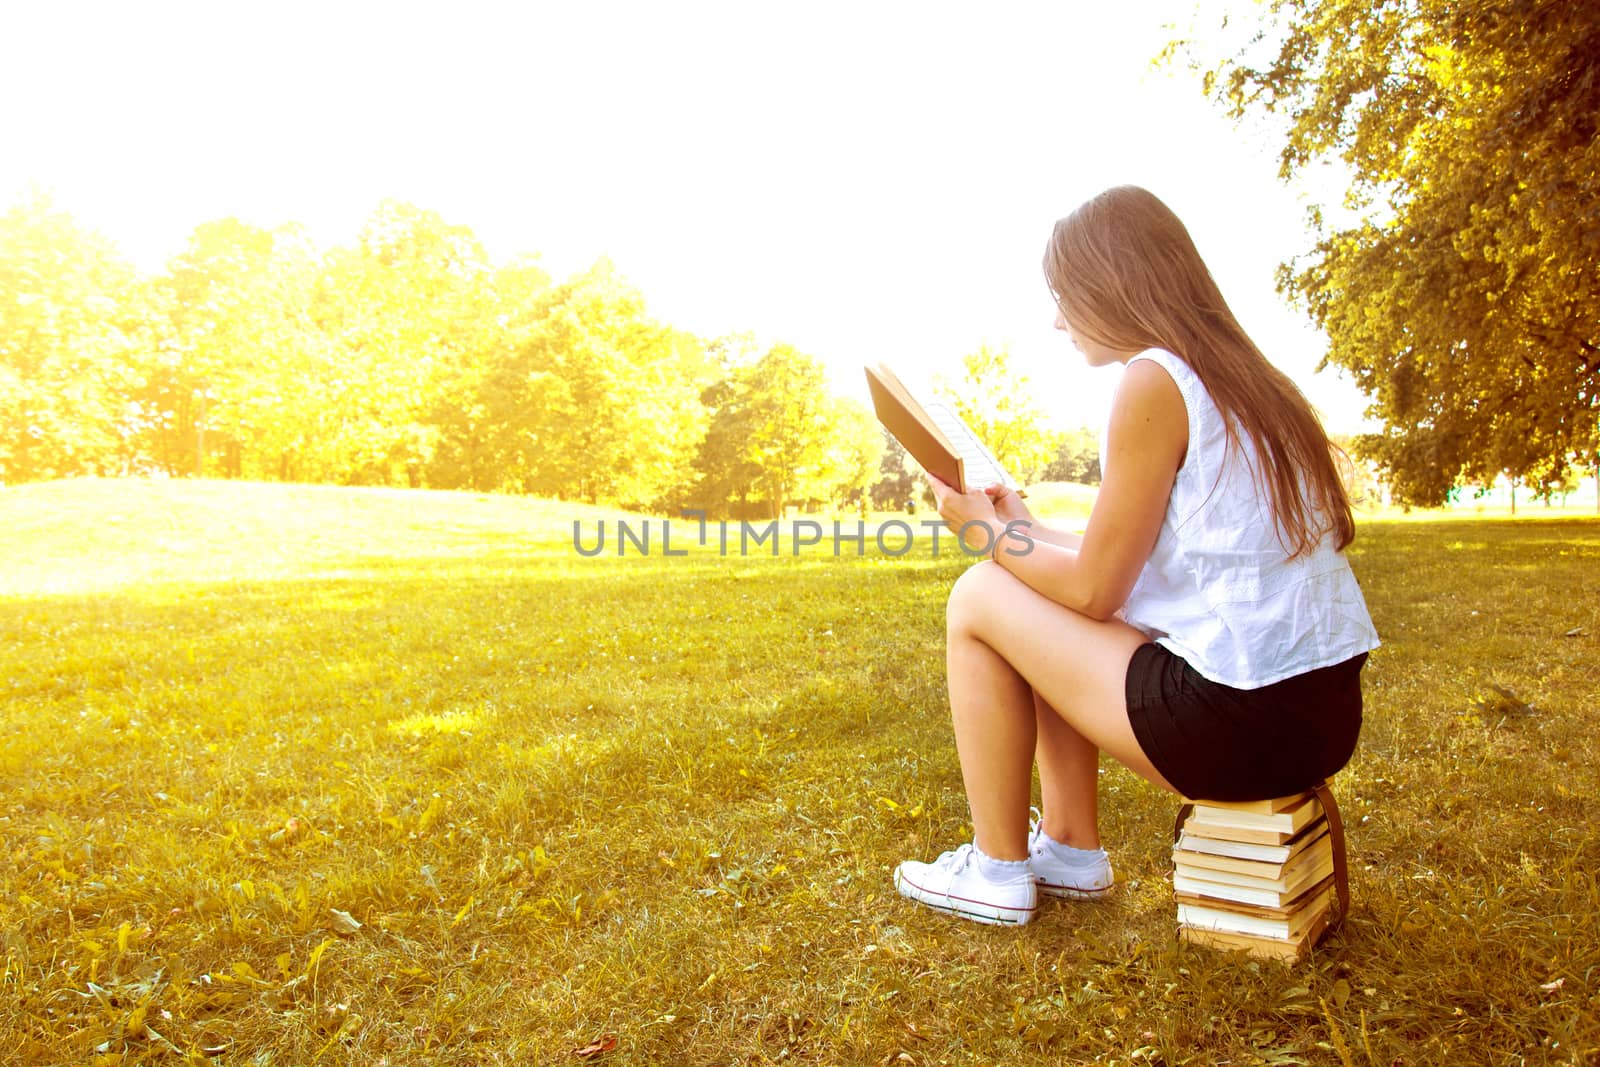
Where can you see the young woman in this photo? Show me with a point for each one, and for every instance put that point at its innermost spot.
(1205, 629)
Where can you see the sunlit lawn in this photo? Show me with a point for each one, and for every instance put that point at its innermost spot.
(300, 774)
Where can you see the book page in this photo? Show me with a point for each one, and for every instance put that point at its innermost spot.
(979, 464)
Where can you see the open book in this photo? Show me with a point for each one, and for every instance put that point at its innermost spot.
(935, 435)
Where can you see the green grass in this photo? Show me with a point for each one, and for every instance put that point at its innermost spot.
(1066, 503)
(658, 800)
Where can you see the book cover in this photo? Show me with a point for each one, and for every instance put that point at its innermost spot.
(1306, 898)
(1252, 872)
(1260, 895)
(1244, 850)
(1217, 831)
(935, 435)
(1288, 950)
(1227, 831)
(1256, 922)
(1258, 807)
(1285, 820)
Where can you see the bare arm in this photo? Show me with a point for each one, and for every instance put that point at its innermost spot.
(1146, 442)
(1009, 508)
(1051, 535)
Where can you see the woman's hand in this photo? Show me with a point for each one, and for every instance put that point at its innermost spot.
(1008, 505)
(967, 514)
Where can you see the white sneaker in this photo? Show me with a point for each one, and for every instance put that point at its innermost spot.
(953, 883)
(1089, 880)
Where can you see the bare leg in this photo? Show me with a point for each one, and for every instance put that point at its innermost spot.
(991, 706)
(1009, 649)
(1069, 779)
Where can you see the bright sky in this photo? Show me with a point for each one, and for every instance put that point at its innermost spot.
(866, 181)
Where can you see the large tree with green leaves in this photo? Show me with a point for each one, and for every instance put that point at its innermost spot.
(1077, 458)
(777, 436)
(899, 477)
(597, 401)
(470, 452)
(997, 402)
(242, 384)
(849, 463)
(76, 323)
(1459, 283)
(399, 309)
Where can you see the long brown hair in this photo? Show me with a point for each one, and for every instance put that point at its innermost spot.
(1126, 275)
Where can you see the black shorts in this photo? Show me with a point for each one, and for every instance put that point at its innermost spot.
(1215, 742)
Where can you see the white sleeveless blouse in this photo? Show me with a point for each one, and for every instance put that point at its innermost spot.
(1219, 590)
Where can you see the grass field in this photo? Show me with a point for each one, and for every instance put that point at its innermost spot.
(301, 775)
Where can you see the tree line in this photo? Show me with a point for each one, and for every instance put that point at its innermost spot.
(410, 359)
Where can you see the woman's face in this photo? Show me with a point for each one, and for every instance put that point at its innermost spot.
(1097, 355)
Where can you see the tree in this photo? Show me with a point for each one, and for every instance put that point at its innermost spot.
(74, 324)
(399, 309)
(469, 453)
(788, 410)
(599, 402)
(1464, 294)
(853, 448)
(995, 401)
(777, 435)
(238, 388)
(1077, 459)
(899, 476)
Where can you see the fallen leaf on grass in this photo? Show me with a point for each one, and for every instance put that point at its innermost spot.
(601, 1045)
(344, 922)
(316, 956)
(430, 814)
(288, 994)
(1498, 700)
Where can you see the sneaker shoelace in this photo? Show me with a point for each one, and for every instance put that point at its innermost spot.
(954, 862)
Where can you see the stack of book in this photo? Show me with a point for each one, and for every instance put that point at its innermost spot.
(1256, 876)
